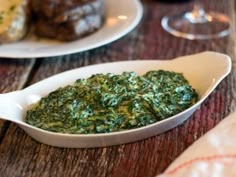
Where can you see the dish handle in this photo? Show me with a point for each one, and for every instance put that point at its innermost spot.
(10, 109)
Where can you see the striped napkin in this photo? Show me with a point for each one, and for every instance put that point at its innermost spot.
(213, 155)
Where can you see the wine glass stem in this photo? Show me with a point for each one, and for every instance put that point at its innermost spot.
(198, 14)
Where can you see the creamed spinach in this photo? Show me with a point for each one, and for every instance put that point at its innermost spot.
(110, 102)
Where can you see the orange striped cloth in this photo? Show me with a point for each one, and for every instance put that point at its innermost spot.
(214, 154)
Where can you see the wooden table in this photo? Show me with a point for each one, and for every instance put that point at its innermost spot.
(20, 155)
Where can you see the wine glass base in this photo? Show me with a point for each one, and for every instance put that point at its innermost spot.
(212, 25)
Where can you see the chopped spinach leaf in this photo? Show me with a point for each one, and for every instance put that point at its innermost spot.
(108, 102)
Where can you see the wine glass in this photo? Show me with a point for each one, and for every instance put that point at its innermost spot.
(197, 24)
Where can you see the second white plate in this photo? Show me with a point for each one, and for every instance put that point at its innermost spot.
(121, 17)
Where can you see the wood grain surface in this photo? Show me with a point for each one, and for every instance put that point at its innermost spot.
(21, 156)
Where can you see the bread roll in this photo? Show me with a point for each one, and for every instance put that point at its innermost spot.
(14, 20)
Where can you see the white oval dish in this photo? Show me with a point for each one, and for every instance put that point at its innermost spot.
(121, 17)
(204, 71)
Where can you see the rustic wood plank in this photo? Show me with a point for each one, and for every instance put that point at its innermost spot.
(14, 73)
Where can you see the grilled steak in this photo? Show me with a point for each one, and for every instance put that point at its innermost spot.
(67, 19)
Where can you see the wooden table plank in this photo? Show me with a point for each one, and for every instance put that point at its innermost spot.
(22, 156)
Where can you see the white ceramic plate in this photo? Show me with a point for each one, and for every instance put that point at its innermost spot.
(121, 17)
(204, 71)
